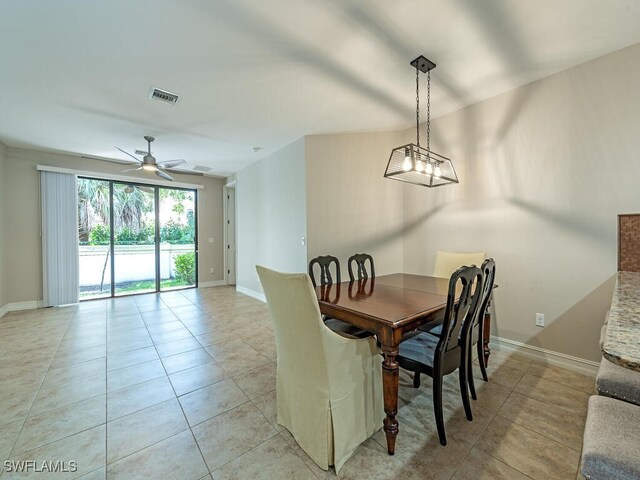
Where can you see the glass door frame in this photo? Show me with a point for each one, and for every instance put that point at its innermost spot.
(156, 197)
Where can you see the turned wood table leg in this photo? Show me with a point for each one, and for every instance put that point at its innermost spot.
(486, 334)
(390, 387)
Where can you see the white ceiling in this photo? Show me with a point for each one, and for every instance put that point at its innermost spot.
(74, 75)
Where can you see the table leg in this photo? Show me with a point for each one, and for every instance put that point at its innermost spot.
(486, 334)
(390, 384)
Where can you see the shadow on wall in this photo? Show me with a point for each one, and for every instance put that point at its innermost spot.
(580, 322)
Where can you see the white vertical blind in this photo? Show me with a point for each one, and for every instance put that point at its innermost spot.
(59, 239)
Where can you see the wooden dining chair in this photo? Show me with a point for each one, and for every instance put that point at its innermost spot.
(435, 356)
(325, 263)
(475, 339)
(360, 260)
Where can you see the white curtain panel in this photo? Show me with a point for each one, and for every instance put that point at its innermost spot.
(59, 239)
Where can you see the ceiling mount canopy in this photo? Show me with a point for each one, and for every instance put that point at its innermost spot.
(412, 163)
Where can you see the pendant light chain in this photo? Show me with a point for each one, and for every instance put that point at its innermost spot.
(417, 106)
(429, 111)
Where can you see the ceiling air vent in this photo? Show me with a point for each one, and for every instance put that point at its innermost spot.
(163, 96)
(202, 168)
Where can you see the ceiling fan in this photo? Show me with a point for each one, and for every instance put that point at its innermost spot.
(149, 163)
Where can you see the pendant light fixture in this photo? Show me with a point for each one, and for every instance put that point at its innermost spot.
(412, 163)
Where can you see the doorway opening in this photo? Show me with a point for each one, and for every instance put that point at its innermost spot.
(135, 238)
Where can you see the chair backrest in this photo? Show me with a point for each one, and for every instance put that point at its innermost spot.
(459, 316)
(297, 325)
(489, 276)
(324, 262)
(359, 259)
(449, 262)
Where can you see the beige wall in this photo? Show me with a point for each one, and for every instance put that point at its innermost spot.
(3, 227)
(544, 170)
(22, 217)
(351, 207)
(271, 215)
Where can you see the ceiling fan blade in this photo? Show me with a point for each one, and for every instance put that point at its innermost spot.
(164, 175)
(171, 163)
(184, 172)
(112, 160)
(127, 153)
(131, 170)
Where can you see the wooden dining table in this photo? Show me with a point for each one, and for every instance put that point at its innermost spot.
(389, 306)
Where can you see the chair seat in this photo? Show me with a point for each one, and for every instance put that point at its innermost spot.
(618, 382)
(345, 329)
(433, 329)
(611, 440)
(419, 348)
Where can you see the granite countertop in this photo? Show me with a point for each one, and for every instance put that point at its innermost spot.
(622, 342)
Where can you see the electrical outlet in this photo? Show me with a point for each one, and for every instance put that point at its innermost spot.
(540, 319)
(210, 239)
(211, 270)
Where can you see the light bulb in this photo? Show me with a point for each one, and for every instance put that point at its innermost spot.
(419, 166)
(437, 172)
(429, 169)
(406, 166)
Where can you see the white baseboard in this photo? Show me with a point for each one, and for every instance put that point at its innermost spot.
(214, 283)
(580, 365)
(14, 307)
(251, 293)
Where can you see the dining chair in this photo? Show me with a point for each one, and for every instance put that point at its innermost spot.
(360, 260)
(477, 331)
(435, 356)
(448, 262)
(328, 387)
(325, 263)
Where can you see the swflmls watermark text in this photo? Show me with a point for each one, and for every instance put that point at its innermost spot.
(54, 466)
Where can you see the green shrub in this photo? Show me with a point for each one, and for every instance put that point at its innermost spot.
(176, 233)
(99, 235)
(185, 265)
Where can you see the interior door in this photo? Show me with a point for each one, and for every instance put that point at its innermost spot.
(231, 236)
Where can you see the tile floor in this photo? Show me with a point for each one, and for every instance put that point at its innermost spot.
(181, 385)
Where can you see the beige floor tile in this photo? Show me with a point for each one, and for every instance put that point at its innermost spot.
(210, 401)
(98, 474)
(8, 436)
(55, 395)
(528, 452)
(480, 466)
(155, 317)
(503, 375)
(75, 372)
(197, 377)
(271, 459)
(129, 344)
(116, 361)
(490, 395)
(237, 357)
(183, 361)
(138, 397)
(563, 376)
(170, 336)
(53, 425)
(134, 432)
(573, 401)
(125, 377)
(258, 381)
(159, 461)
(15, 404)
(86, 449)
(78, 356)
(177, 346)
(267, 404)
(556, 423)
(225, 437)
(498, 358)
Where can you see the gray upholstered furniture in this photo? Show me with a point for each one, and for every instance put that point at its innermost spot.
(611, 440)
(618, 382)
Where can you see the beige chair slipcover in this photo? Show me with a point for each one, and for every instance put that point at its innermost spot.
(329, 387)
(449, 262)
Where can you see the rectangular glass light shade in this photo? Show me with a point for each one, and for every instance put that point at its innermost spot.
(408, 163)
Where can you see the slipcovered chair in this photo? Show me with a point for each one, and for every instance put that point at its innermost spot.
(449, 262)
(611, 440)
(422, 352)
(329, 387)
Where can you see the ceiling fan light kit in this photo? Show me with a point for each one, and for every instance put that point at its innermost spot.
(412, 163)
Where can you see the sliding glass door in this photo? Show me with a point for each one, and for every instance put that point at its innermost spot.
(135, 238)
